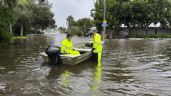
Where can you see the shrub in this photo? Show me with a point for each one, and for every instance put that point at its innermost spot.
(5, 38)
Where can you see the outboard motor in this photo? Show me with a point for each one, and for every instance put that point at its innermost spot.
(53, 53)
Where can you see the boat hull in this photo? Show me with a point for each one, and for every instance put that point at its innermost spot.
(67, 59)
(76, 60)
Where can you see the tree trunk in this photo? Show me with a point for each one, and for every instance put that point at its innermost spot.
(111, 36)
(10, 28)
(21, 31)
(82, 34)
(69, 27)
(146, 30)
(3, 2)
(82, 31)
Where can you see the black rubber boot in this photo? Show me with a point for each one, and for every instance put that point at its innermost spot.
(94, 57)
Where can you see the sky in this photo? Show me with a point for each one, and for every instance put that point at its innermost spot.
(77, 8)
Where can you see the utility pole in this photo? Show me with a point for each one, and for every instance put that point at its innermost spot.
(104, 19)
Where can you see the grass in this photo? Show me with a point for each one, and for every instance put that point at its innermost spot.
(7, 41)
(19, 37)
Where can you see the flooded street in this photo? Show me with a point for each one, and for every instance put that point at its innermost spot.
(128, 68)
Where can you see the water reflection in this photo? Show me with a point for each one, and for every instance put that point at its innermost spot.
(65, 79)
(59, 76)
(96, 82)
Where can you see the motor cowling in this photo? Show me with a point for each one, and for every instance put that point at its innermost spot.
(53, 49)
(53, 53)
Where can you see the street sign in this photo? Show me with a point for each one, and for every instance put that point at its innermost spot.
(104, 24)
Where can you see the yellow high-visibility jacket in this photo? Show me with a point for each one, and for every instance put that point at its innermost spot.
(67, 47)
(97, 43)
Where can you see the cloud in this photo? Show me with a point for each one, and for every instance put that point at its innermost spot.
(77, 8)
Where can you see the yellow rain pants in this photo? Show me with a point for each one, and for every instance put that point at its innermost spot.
(97, 45)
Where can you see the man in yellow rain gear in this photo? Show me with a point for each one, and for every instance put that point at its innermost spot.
(97, 45)
(67, 46)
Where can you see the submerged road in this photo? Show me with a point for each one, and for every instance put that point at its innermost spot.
(128, 68)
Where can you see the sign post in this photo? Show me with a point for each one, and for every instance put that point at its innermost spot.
(104, 24)
(104, 20)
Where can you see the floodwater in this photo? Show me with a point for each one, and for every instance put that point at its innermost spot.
(128, 68)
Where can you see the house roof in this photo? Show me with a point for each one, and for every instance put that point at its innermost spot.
(154, 25)
(151, 25)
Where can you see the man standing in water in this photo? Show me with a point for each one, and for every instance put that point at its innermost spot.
(67, 46)
(97, 45)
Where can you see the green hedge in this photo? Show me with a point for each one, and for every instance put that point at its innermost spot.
(6, 16)
(5, 38)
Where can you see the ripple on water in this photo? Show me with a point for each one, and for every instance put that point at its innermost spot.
(166, 74)
(2, 68)
(2, 87)
(129, 68)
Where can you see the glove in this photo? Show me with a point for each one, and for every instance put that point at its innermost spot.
(93, 49)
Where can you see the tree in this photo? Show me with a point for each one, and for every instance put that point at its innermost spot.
(80, 26)
(84, 24)
(21, 16)
(70, 21)
(11, 5)
(42, 17)
(33, 17)
(24, 15)
(6, 16)
(62, 29)
(133, 13)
